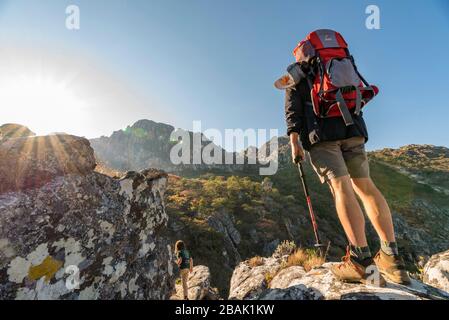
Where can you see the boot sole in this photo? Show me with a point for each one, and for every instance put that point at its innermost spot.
(396, 279)
(363, 281)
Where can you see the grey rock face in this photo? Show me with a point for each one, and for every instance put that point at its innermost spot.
(33, 161)
(83, 235)
(222, 222)
(436, 271)
(293, 283)
(199, 286)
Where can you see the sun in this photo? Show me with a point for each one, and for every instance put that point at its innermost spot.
(46, 104)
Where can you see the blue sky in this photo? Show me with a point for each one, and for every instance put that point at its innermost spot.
(216, 61)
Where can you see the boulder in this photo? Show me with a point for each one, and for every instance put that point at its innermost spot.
(249, 280)
(84, 235)
(436, 271)
(199, 286)
(286, 276)
(31, 162)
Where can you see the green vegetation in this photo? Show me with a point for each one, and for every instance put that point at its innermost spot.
(430, 164)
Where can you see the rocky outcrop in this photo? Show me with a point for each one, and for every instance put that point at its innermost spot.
(34, 161)
(199, 286)
(271, 280)
(78, 234)
(436, 271)
(12, 130)
(222, 223)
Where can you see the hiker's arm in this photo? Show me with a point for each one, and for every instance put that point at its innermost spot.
(294, 112)
(297, 150)
(191, 265)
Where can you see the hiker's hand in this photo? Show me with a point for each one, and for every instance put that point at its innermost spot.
(298, 154)
(191, 270)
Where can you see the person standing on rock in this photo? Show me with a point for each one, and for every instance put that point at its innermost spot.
(324, 97)
(185, 264)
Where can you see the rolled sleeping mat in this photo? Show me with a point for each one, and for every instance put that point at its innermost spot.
(293, 76)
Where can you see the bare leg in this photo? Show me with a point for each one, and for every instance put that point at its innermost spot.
(376, 208)
(349, 211)
(184, 279)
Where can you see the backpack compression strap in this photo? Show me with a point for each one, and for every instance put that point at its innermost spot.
(343, 107)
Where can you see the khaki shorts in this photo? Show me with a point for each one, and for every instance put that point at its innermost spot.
(334, 159)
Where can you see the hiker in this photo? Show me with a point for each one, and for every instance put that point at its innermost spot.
(324, 97)
(185, 264)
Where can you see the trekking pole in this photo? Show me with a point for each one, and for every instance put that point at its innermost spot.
(318, 243)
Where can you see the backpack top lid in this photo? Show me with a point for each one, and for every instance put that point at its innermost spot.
(318, 40)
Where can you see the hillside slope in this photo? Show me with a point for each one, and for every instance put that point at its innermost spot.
(424, 163)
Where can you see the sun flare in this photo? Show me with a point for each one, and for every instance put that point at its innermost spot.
(49, 104)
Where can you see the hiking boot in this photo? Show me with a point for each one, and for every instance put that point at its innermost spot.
(392, 267)
(351, 271)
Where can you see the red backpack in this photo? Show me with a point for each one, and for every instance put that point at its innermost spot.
(338, 89)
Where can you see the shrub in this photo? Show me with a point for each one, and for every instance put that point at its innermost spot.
(308, 259)
(286, 248)
(255, 261)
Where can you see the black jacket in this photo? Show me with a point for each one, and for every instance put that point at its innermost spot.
(300, 118)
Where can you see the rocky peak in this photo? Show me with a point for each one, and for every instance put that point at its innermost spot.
(12, 130)
(150, 125)
(148, 144)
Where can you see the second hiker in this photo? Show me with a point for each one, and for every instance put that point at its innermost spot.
(185, 264)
